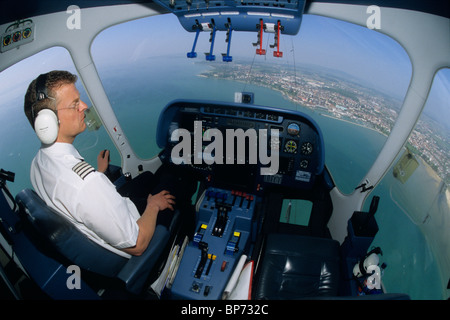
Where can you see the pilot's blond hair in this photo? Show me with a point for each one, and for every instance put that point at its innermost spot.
(54, 80)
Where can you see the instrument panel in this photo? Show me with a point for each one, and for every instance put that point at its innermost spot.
(242, 146)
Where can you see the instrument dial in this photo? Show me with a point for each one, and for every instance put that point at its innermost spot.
(307, 148)
(304, 164)
(290, 146)
(293, 129)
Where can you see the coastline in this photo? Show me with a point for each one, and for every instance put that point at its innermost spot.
(354, 123)
(295, 101)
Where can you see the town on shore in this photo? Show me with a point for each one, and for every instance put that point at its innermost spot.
(336, 95)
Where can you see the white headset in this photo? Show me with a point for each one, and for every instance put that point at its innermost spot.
(46, 123)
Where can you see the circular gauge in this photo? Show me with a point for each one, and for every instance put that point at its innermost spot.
(293, 129)
(26, 33)
(16, 36)
(7, 40)
(290, 146)
(304, 164)
(307, 148)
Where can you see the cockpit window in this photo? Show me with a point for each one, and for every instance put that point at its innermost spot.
(416, 197)
(350, 79)
(18, 152)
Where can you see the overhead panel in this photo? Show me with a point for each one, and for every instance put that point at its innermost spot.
(17, 34)
(241, 15)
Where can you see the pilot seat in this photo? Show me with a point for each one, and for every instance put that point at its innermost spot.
(298, 267)
(60, 240)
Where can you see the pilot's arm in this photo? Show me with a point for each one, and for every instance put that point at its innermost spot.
(114, 218)
(147, 222)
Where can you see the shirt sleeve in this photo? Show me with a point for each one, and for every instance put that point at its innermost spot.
(106, 213)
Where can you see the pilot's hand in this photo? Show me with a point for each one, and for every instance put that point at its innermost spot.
(103, 161)
(163, 200)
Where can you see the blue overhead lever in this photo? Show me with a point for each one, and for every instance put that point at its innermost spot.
(226, 57)
(210, 56)
(193, 54)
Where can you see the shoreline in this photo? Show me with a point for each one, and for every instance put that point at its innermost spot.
(354, 123)
(293, 100)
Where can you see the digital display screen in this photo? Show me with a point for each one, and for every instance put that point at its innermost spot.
(240, 177)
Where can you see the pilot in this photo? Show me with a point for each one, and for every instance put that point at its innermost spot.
(70, 185)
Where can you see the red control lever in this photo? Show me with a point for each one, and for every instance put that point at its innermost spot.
(261, 51)
(278, 53)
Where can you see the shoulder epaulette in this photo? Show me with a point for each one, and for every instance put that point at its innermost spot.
(83, 169)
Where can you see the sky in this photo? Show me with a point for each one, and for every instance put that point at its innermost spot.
(356, 50)
(370, 57)
(321, 41)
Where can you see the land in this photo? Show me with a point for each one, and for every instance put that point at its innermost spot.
(337, 95)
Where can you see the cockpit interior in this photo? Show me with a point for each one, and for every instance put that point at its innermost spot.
(269, 216)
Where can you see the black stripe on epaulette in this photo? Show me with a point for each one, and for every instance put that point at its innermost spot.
(83, 169)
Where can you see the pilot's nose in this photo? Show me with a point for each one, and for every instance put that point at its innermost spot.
(83, 106)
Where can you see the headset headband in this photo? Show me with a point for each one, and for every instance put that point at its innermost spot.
(41, 88)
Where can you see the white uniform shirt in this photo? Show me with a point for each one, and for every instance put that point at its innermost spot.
(86, 197)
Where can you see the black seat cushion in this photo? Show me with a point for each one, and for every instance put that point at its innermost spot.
(62, 241)
(66, 238)
(295, 267)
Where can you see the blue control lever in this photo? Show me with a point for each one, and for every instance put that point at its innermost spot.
(226, 56)
(193, 54)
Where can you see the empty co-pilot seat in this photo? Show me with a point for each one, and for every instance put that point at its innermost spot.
(296, 267)
(71, 246)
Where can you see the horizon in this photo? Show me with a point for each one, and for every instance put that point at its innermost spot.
(371, 58)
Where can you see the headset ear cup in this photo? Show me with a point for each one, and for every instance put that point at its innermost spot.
(46, 126)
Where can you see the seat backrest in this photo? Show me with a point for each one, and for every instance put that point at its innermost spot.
(66, 239)
(298, 267)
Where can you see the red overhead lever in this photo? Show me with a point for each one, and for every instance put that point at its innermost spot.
(278, 53)
(260, 51)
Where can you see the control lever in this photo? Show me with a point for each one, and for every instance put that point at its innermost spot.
(234, 194)
(277, 53)
(249, 201)
(203, 246)
(209, 55)
(260, 28)
(226, 56)
(211, 258)
(221, 222)
(193, 54)
(242, 199)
